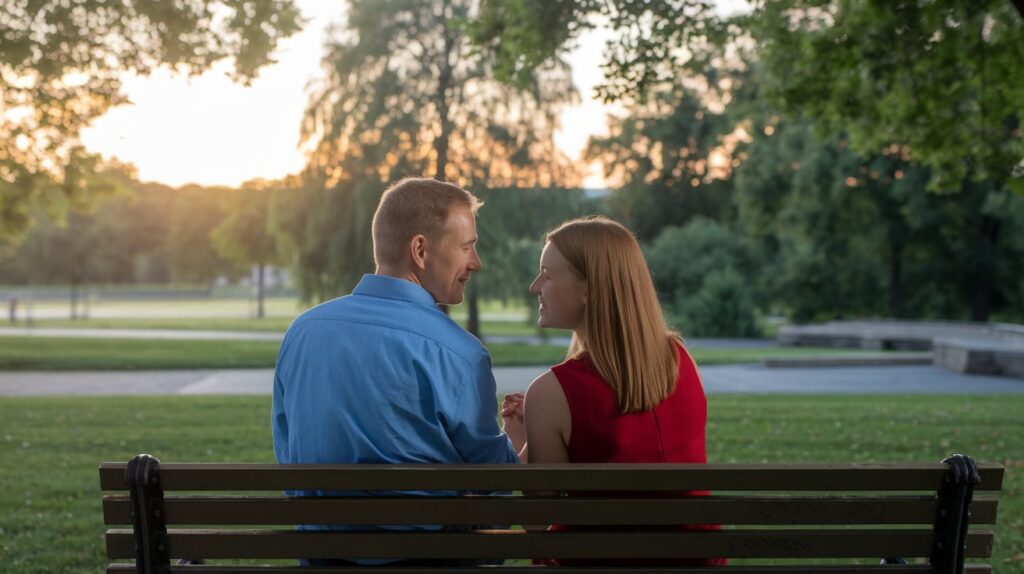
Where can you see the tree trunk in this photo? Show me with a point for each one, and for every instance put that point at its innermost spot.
(443, 85)
(473, 322)
(74, 300)
(895, 279)
(260, 290)
(983, 279)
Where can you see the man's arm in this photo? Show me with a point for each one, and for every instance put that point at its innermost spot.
(279, 421)
(278, 415)
(473, 424)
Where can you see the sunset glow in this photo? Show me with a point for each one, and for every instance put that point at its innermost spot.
(212, 131)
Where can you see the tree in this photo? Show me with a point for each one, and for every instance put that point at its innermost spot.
(936, 79)
(61, 65)
(704, 272)
(244, 236)
(649, 38)
(131, 216)
(925, 90)
(406, 93)
(939, 77)
(196, 212)
(843, 235)
(722, 307)
(665, 155)
(827, 252)
(511, 227)
(72, 250)
(299, 226)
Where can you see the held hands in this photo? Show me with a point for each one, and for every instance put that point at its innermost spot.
(513, 405)
(512, 409)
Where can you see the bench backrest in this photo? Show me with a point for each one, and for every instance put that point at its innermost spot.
(829, 517)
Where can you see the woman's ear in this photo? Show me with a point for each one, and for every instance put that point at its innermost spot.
(418, 251)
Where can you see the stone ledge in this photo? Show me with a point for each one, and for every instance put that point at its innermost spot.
(979, 356)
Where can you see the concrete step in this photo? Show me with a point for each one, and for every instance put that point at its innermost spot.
(981, 357)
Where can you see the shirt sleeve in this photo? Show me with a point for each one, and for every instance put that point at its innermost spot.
(473, 426)
(279, 422)
(278, 414)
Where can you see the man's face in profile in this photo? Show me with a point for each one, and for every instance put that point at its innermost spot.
(451, 260)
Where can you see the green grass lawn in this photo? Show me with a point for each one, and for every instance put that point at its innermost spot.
(278, 324)
(65, 354)
(230, 308)
(170, 307)
(70, 353)
(50, 512)
(268, 324)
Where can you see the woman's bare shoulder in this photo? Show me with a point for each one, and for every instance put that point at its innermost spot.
(546, 382)
(546, 396)
(548, 420)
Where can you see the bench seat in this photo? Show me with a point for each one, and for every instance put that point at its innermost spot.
(834, 518)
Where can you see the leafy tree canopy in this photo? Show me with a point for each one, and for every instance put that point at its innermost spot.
(939, 78)
(60, 68)
(524, 35)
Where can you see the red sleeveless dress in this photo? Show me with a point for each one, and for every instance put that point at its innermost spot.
(673, 431)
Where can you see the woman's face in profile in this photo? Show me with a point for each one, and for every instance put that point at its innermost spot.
(561, 292)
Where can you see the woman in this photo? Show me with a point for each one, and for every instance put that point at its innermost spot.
(628, 391)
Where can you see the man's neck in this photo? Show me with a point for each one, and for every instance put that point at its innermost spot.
(404, 274)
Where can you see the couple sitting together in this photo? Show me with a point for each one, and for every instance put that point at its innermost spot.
(385, 376)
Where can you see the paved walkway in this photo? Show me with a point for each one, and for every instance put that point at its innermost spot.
(717, 379)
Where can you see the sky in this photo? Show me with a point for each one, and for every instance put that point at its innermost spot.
(213, 131)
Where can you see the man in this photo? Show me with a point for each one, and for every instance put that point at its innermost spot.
(383, 375)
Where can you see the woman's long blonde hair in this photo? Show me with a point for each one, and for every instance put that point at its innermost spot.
(626, 335)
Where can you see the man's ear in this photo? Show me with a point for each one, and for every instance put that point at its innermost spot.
(418, 251)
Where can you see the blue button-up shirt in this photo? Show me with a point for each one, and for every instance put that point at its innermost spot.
(384, 376)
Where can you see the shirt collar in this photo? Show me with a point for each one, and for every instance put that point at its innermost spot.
(386, 287)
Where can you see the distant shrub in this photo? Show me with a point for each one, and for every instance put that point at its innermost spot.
(722, 307)
(703, 272)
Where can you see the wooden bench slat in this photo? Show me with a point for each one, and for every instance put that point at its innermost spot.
(579, 477)
(842, 569)
(267, 544)
(795, 569)
(279, 510)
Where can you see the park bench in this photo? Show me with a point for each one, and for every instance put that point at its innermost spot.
(814, 518)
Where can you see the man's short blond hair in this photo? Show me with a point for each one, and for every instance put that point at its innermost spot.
(411, 207)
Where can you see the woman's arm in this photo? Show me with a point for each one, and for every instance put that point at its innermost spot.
(548, 420)
(512, 414)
